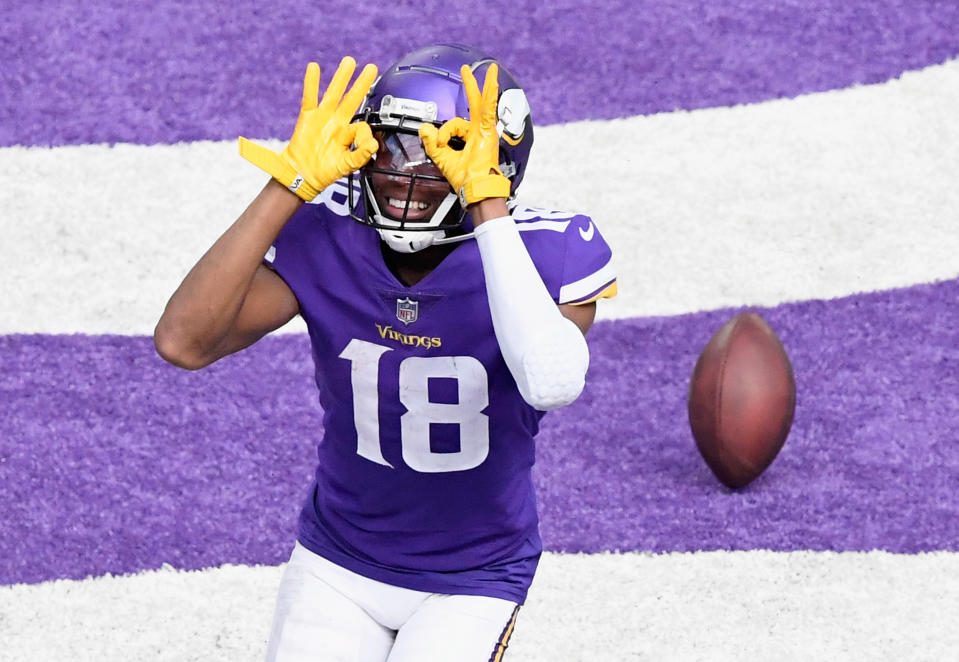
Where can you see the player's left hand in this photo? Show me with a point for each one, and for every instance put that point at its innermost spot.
(473, 171)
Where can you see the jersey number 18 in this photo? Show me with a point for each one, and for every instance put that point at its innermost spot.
(414, 375)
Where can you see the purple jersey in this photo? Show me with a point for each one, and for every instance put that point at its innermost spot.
(424, 467)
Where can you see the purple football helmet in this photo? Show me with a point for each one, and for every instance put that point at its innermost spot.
(405, 196)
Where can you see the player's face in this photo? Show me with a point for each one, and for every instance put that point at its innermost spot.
(404, 154)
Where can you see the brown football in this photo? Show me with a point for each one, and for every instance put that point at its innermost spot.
(742, 397)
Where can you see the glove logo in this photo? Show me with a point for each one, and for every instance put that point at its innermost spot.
(296, 183)
(588, 233)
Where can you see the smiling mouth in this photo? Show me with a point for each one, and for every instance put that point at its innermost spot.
(401, 204)
(417, 209)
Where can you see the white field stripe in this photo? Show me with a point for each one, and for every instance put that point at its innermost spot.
(714, 606)
(815, 197)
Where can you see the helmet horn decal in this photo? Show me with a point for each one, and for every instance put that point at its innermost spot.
(512, 114)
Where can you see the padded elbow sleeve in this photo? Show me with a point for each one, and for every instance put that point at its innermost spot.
(545, 352)
(554, 369)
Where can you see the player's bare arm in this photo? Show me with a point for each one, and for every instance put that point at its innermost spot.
(229, 299)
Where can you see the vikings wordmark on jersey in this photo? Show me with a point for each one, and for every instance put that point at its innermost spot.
(388, 332)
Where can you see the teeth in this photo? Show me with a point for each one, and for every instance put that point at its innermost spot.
(401, 204)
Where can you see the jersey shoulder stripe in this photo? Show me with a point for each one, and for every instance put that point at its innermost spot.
(598, 285)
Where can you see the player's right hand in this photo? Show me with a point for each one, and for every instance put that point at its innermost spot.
(319, 153)
(472, 171)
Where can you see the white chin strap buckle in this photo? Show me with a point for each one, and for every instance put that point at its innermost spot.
(409, 242)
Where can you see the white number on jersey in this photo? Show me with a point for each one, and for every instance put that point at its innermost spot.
(528, 213)
(336, 197)
(414, 375)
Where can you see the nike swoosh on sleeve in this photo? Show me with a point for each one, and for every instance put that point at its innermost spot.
(588, 233)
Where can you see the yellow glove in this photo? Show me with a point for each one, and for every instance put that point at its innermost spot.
(319, 152)
(473, 171)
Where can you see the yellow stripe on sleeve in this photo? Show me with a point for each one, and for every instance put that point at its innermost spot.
(608, 292)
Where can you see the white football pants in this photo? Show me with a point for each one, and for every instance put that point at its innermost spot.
(325, 613)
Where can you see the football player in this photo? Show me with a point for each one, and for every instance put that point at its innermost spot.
(445, 319)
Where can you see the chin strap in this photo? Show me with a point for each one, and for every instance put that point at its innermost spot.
(545, 352)
(410, 242)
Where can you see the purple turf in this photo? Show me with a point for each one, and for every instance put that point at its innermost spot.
(79, 72)
(112, 461)
(871, 462)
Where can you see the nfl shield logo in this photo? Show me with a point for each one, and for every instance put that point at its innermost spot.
(407, 310)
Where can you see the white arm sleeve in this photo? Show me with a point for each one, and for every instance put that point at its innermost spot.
(545, 352)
